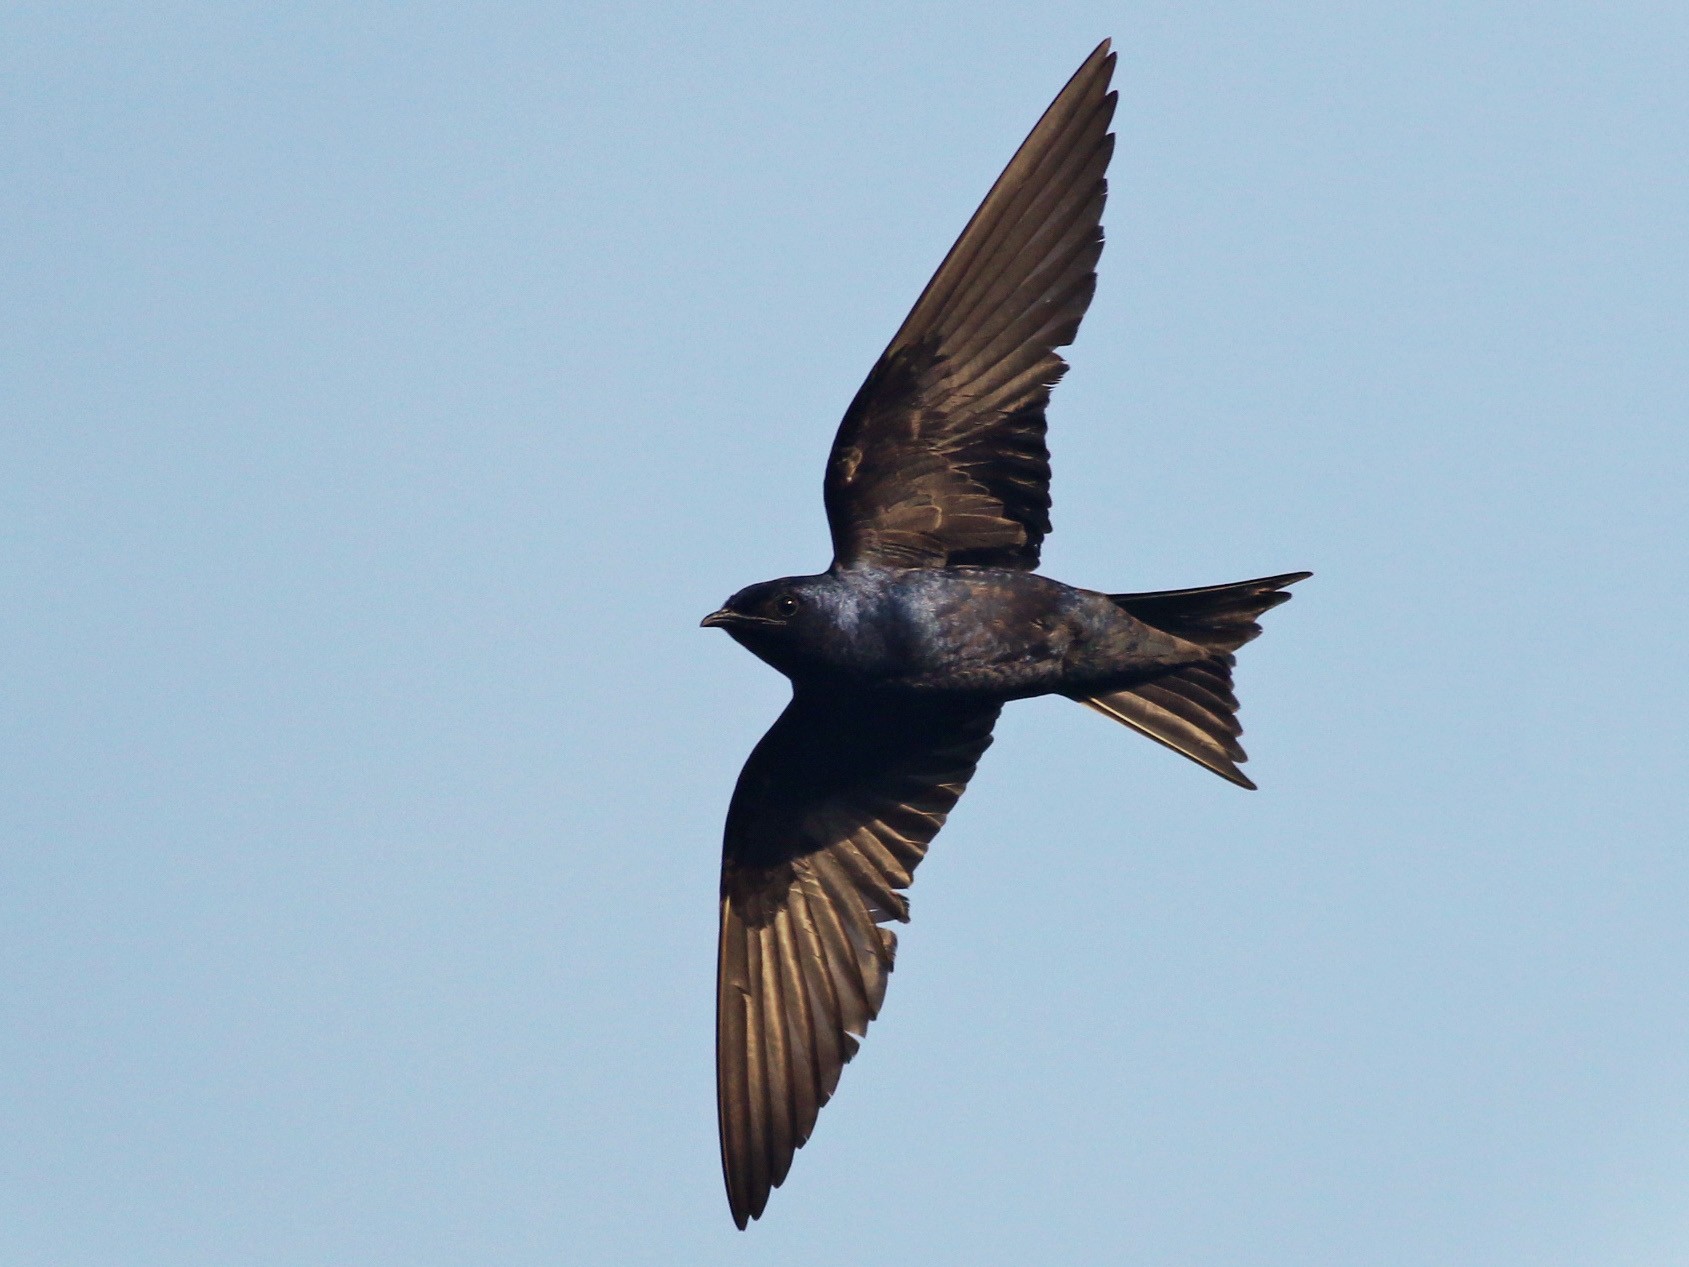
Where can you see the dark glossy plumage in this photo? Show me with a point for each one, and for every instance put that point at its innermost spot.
(930, 618)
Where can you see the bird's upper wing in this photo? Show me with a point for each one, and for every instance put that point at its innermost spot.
(832, 812)
(940, 459)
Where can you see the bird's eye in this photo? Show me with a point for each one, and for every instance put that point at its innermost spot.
(786, 605)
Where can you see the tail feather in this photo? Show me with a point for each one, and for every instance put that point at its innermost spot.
(1219, 617)
(1192, 709)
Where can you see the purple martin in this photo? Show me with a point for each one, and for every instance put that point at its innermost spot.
(929, 620)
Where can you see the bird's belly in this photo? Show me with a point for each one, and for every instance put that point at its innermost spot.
(1004, 634)
(995, 657)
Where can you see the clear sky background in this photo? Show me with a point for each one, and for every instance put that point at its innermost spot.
(387, 390)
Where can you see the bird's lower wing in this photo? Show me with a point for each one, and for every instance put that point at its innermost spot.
(834, 809)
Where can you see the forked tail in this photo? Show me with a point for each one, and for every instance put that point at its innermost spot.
(1192, 709)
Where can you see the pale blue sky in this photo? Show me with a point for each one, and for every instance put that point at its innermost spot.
(387, 390)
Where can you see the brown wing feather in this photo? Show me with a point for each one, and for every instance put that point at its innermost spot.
(940, 459)
(833, 811)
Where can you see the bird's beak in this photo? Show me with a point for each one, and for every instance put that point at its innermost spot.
(716, 620)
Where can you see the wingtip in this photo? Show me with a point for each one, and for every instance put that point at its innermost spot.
(1227, 770)
(744, 1212)
(1101, 56)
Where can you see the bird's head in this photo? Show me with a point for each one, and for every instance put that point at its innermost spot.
(772, 617)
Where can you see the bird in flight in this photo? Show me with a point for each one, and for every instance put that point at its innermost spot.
(931, 618)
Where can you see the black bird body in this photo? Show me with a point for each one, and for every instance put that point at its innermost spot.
(989, 632)
(929, 620)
